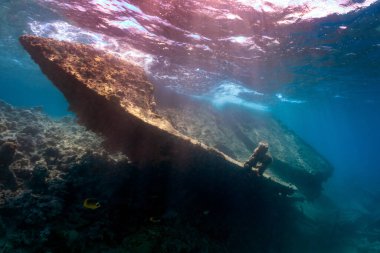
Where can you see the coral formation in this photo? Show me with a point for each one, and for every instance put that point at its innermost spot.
(7, 153)
(36, 155)
(62, 164)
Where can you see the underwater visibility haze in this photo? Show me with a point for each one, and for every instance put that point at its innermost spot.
(80, 173)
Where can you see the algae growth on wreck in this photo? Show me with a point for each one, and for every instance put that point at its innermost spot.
(125, 126)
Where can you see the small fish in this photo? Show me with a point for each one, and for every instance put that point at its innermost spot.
(154, 220)
(91, 204)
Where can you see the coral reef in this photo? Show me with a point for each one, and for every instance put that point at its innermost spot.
(61, 164)
(36, 154)
(7, 153)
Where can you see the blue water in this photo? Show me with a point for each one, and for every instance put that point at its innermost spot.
(346, 133)
(21, 81)
(27, 88)
(323, 81)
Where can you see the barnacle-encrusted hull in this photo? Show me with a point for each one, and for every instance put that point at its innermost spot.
(114, 97)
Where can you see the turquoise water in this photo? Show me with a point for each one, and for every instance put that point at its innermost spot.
(21, 81)
(314, 66)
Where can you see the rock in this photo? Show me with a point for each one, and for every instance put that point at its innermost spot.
(94, 82)
(31, 130)
(7, 152)
(24, 174)
(3, 229)
(71, 236)
(10, 124)
(26, 142)
(3, 127)
(37, 109)
(52, 152)
(38, 179)
(35, 158)
(6, 107)
(27, 114)
(8, 179)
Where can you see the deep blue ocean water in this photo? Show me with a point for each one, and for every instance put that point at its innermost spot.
(320, 75)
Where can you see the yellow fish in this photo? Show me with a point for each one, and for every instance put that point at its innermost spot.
(91, 204)
(154, 220)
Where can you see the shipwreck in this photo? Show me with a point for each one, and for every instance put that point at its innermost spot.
(115, 98)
